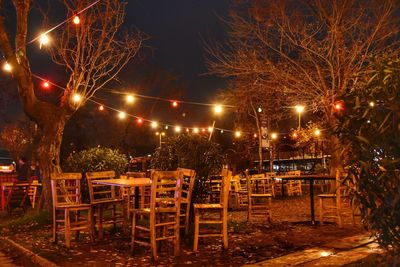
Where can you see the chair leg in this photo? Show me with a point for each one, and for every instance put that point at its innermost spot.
(100, 218)
(90, 225)
(54, 226)
(187, 220)
(196, 229)
(269, 209)
(113, 215)
(177, 233)
(321, 210)
(224, 228)
(153, 241)
(249, 207)
(133, 237)
(76, 220)
(67, 229)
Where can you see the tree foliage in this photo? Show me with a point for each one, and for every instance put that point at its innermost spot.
(369, 129)
(192, 152)
(17, 138)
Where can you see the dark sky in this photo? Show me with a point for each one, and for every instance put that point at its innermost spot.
(177, 29)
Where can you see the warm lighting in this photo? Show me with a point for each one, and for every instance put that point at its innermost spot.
(166, 127)
(101, 107)
(187, 130)
(325, 253)
(174, 104)
(372, 104)
(238, 134)
(210, 129)
(203, 130)
(43, 39)
(76, 20)
(76, 98)
(7, 67)
(255, 135)
(218, 109)
(317, 132)
(274, 136)
(299, 108)
(222, 131)
(178, 129)
(139, 120)
(122, 115)
(196, 130)
(157, 133)
(130, 99)
(339, 106)
(259, 110)
(162, 133)
(154, 124)
(295, 135)
(46, 84)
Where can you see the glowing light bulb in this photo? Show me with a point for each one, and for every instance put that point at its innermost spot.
(255, 135)
(139, 120)
(76, 98)
(76, 20)
(162, 133)
(130, 99)
(222, 131)
(187, 130)
(154, 124)
(325, 253)
(238, 134)
(174, 104)
(218, 109)
(210, 129)
(372, 104)
(259, 110)
(122, 115)
(46, 84)
(178, 129)
(101, 107)
(294, 135)
(43, 39)
(7, 67)
(317, 132)
(157, 133)
(196, 130)
(274, 136)
(203, 130)
(299, 108)
(166, 127)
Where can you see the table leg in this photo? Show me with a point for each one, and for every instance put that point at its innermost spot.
(312, 201)
(283, 189)
(137, 197)
(129, 202)
(2, 197)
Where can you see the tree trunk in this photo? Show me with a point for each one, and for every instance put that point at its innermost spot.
(336, 155)
(49, 153)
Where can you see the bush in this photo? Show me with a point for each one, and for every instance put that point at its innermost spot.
(192, 152)
(95, 159)
(369, 128)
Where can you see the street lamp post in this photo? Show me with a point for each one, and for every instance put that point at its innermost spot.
(299, 109)
(160, 136)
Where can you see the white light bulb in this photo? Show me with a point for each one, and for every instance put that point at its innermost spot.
(122, 115)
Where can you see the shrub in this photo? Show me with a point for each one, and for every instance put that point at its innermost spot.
(95, 159)
(192, 152)
(369, 128)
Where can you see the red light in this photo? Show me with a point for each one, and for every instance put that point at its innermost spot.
(339, 105)
(139, 120)
(174, 104)
(46, 84)
(294, 135)
(101, 107)
(203, 130)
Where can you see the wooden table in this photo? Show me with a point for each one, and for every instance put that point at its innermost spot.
(127, 183)
(311, 179)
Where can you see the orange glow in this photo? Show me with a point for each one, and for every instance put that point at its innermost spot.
(101, 107)
(174, 104)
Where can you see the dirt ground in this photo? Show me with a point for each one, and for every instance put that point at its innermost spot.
(259, 240)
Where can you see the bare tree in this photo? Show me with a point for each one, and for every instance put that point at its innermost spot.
(312, 50)
(93, 53)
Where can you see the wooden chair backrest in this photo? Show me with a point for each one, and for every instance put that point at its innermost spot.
(236, 183)
(225, 187)
(136, 174)
(100, 192)
(66, 188)
(166, 189)
(259, 183)
(188, 177)
(270, 174)
(296, 173)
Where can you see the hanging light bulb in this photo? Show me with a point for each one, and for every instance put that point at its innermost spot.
(259, 110)
(222, 131)
(187, 130)
(130, 99)
(372, 104)
(203, 130)
(76, 20)
(139, 120)
(154, 124)
(274, 136)
(7, 67)
(196, 130)
(210, 129)
(76, 98)
(46, 84)
(101, 107)
(238, 134)
(175, 104)
(218, 109)
(122, 115)
(166, 127)
(177, 129)
(317, 132)
(43, 39)
(255, 135)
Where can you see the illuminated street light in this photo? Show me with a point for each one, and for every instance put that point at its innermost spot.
(299, 109)
(160, 135)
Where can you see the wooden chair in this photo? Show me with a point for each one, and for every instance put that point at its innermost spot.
(102, 199)
(69, 214)
(221, 208)
(189, 177)
(294, 187)
(260, 195)
(18, 197)
(163, 214)
(144, 191)
(239, 191)
(331, 205)
(32, 193)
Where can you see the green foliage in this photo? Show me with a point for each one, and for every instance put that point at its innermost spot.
(370, 130)
(192, 152)
(95, 159)
(32, 220)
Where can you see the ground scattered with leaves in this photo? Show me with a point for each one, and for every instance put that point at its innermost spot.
(248, 242)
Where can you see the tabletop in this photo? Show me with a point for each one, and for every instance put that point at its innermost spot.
(124, 182)
(306, 177)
